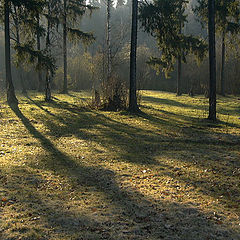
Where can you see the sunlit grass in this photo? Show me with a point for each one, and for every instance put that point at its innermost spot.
(70, 172)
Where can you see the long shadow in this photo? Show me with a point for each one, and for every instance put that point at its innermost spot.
(113, 133)
(169, 102)
(38, 105)
(146, 217)
(123, 132)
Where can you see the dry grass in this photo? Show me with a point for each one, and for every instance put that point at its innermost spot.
(68, 172)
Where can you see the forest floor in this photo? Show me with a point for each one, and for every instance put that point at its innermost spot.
(68, 172)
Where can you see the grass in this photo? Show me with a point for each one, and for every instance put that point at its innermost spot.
(69, 172)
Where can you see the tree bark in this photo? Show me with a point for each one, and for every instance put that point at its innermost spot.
(109, 66)
(179, 77)
(212, 60)
(223, 66)
(11, 97)
(48, 74)
(133, 106)
(40, 78)
(65, 82)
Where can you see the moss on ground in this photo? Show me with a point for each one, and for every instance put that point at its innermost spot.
(70, 172)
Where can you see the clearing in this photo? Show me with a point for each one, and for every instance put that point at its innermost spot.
(70, 172)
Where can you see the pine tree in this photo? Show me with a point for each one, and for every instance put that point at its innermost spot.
(227, 15)
(70, 14)
(11, 97)
(164, 20)
(18, 15)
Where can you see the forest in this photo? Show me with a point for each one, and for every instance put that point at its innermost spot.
(119, 119)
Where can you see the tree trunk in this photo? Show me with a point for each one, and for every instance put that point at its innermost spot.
(109, 66)
(11, 97)
(179, 77)
(133, 107)
(212, 60)
(47, 83)
(223, 65)
(65, 83)
(40, 78)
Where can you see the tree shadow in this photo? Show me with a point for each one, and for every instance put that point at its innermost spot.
(169, 102)
(137, 216)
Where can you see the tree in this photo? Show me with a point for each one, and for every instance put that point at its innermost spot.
(212, 60)
(38, 35)
(227, 15)
(18, 16)
(11, 97)
(133, 106)
(51, 22)
(109, 62)
(164, 20)
(23, 13)
(71, 12)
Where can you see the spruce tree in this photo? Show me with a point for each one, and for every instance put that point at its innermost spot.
(70, 14)
(11, 97)
(227, 15)
(164, 20)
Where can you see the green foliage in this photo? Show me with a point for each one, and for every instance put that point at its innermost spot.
(74, 12)
(164, 20)
(227, 15)
(76, 35)
(42, 60)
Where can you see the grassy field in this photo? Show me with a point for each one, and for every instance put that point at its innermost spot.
(68, 172)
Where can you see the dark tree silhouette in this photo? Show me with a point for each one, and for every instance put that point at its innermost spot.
(212, 60)
(11, 97)
(133, 106)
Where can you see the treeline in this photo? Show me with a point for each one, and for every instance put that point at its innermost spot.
(84, 61)
(73, 45)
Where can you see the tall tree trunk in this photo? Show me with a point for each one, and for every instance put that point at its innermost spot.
(11, 97)
(48, 74)
(65, 83)
(223, 65)
(212, 60)
(179, 77)
(109, 66)
(133, 107)
(179, 71)
(40, 78)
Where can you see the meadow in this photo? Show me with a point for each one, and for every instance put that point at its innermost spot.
(70, 172)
